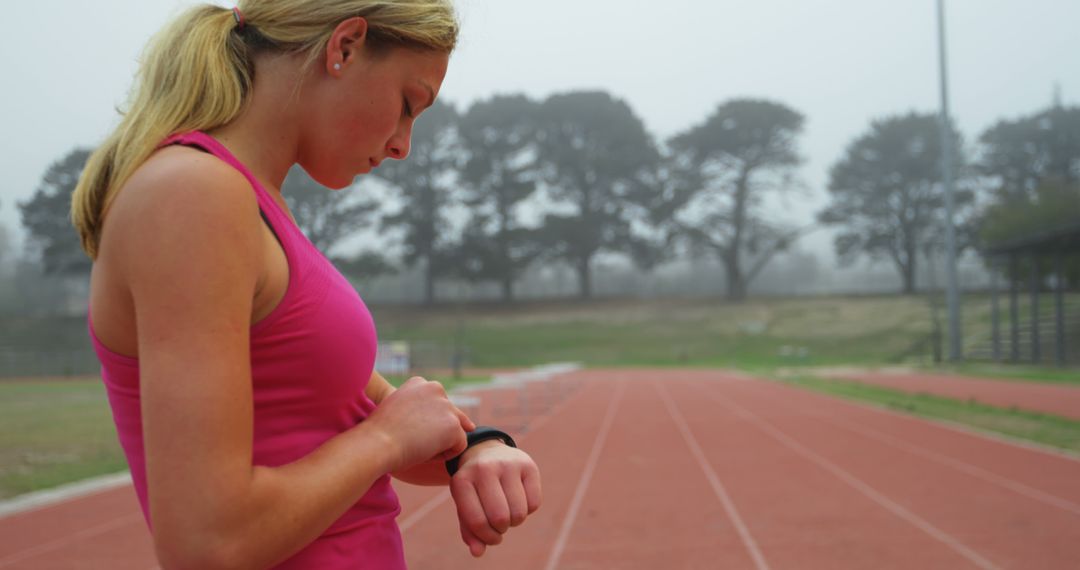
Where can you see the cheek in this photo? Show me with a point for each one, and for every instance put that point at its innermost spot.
(374, 122)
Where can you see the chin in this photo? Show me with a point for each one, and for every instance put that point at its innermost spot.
(335, 182)
(329, 175)
(350, 183)
(340, 184)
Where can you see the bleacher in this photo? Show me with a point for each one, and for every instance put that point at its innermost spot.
(983, 348)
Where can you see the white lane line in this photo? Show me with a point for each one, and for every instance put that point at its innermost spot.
(998, 438)
(423, 511)
(434, 502)
(963, 466)
(71, 538)
(714, 480)
(858, 484)
(583, 483)
(70, 491)
(994, 437)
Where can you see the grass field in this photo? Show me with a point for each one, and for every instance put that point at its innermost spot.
(54, 432)
(1020, 373)
(1055, 431)
(760, 335)
(755, 335)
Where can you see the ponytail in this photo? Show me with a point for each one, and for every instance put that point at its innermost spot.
(197, 74)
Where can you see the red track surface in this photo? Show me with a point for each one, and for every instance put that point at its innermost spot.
(1058, 399)
(696, 469)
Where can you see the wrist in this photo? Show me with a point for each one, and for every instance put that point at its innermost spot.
(481, 434)
(464, 458)
(385, 446)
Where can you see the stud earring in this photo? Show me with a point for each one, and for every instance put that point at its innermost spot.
(337, 67)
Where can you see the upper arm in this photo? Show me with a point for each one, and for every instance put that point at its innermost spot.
(190, 258)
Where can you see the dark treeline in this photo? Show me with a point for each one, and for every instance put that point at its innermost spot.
(511, 183)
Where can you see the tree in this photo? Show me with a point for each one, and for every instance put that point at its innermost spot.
(594, 152)
(364, 266)
(425, 183)
(499, 136)
(5, 246)
(326, 217)
(745, 151)
(1018, 156)
(46, 217)
(1052, 205)
(652, 207)
(7, 262)
(886, 196)
(1032, 169)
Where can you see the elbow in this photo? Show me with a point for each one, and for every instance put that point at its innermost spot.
(204, 553)
(204, 538)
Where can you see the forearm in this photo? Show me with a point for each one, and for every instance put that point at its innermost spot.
(281, 509)
(433, 473)
(429, 474)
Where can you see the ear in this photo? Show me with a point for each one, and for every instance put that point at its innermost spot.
(345, 45)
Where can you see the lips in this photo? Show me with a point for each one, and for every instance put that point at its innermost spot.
(374, 163)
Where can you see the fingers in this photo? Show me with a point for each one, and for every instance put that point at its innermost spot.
(466, 423)
(412, 381)
(493, 498)
(471, 514)
(457, 449)
(476, 546)
(516, 499)
(461, 441)
(530, 480)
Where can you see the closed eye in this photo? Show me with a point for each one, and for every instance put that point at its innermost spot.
(407, 108)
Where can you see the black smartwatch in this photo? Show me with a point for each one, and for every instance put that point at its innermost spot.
(481, 433)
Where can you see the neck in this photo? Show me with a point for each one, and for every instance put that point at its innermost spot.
(265, 136)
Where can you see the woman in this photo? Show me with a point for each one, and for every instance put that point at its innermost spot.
(238, 362)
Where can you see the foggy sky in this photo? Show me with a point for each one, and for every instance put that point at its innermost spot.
(68, 63)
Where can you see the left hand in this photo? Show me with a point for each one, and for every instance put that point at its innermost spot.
(495, 488)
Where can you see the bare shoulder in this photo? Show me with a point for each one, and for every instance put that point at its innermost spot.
(179, 181)
(179, 202)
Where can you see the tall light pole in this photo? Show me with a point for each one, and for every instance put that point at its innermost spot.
(952, 295)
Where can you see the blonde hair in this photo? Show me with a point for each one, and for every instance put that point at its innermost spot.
(198, 72)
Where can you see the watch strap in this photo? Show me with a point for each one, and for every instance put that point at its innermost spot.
(481, 433)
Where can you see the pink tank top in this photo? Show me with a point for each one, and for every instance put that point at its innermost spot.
(311, 359)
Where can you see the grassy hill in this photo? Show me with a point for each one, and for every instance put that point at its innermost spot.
(699, 332)
(761, 333)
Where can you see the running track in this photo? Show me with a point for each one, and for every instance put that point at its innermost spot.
(696, 469)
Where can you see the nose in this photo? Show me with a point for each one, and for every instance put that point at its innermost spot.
(398, 145)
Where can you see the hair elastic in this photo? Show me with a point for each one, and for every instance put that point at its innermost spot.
(239, 18)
